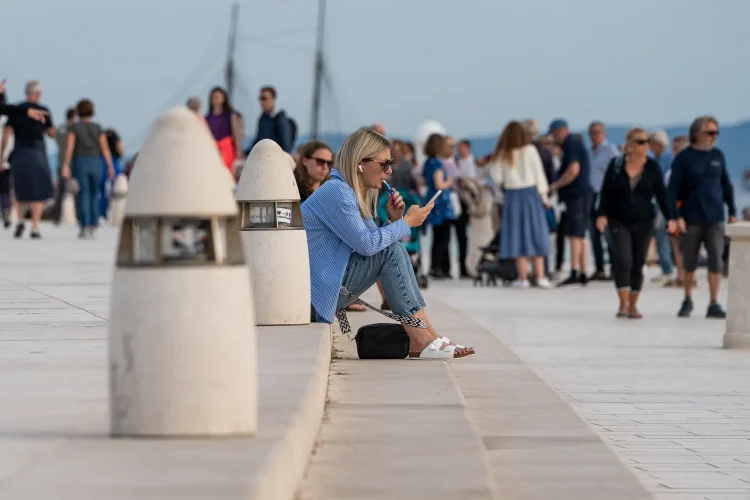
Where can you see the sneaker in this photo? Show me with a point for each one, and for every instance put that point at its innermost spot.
(544, 283)
(686, 309)
(584, 279)
(19, 230)
(520, 284)
(36, 235)
(573, 279)
(715, 311)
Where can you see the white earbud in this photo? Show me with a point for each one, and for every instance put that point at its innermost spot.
(360, 168)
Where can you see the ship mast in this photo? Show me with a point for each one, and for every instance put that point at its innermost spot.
(229, 71)
(318, 71)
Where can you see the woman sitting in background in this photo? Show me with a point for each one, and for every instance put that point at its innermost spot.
(347, 249)
(517, 168)
(629, 185)
(313, 167)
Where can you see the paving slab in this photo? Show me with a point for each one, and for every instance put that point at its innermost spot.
(660, 392)
(527, 442)
(54, 425)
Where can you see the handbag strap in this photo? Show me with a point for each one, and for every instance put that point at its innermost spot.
(346, 328)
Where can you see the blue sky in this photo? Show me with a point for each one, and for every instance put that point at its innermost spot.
(473, 64)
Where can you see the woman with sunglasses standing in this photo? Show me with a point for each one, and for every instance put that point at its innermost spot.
(348, 251)
(630, 184)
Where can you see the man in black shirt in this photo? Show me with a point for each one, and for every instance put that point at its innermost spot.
(574, 190)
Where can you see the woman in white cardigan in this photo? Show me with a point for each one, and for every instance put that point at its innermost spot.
(517, 169)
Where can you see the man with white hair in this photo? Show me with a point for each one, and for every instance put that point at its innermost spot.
(658, 142)
(29, 165)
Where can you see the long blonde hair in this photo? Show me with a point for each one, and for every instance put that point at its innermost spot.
(364, 143)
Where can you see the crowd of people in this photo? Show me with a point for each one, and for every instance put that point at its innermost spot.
(88, 160)
(613, 200)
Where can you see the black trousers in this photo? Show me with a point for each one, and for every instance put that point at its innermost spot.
(596, 238)
(560, 243)
(441, 237)
(631, 243)
(460, 225)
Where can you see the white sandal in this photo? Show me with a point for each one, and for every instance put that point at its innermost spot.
(439, 349)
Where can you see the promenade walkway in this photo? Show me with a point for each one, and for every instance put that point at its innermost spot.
(563, 400)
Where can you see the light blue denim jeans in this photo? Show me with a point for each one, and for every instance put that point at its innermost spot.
(393, 268)
(664, 249)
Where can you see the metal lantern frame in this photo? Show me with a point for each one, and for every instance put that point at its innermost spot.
(222, 247)
(295, 222)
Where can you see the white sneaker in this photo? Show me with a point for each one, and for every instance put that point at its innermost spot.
(662, 278)
(520, 284)
(544, 283)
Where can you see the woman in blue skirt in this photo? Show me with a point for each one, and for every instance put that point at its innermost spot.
(517, 169)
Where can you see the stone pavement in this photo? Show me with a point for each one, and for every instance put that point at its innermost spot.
(54, 421)
(661, 392)
(485, 427)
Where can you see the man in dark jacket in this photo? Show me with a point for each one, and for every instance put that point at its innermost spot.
(273, 124)
(700, 186)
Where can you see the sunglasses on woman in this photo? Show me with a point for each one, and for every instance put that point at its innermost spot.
(640, 142)
(321, 162)
(384, 164)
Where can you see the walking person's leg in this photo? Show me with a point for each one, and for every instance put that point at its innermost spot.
(621, 238)
(596, 243)
(690, 244)
(560, 243)
(461, 235)
(96, 177)
(440, 240)
(82, 198)
(715, 244)
(664, 251)
(59, 194)
(640, 240)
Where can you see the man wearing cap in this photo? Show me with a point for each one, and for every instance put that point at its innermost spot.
(574, 189)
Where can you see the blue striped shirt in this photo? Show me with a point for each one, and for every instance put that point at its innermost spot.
(335, 229)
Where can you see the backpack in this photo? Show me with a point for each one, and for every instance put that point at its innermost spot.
(292, 128)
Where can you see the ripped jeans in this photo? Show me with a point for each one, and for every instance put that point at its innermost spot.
(392, 267)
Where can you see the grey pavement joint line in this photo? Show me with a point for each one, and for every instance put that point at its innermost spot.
(54, 298)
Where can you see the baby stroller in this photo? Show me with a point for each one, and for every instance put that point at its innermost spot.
(491, 267)
(410, 243)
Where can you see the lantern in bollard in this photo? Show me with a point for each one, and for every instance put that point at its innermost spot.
(182, 337)
(273, 237)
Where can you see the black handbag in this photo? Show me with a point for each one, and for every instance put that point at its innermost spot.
(382, 341)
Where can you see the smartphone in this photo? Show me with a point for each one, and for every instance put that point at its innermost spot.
(434, 197)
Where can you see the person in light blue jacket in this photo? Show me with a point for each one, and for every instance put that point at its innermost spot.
(348, 251)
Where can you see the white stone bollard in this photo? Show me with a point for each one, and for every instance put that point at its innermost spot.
(68, 214)
(292, 162)
(117, 202)
(182, 344)
(737, 334)
(274, 238)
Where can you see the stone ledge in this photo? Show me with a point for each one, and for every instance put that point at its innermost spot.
(739, 230)
(63, 450)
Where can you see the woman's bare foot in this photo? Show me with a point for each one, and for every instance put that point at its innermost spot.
(633, 313)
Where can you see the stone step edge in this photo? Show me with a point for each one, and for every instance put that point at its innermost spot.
(285, 467)
(491, 483)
